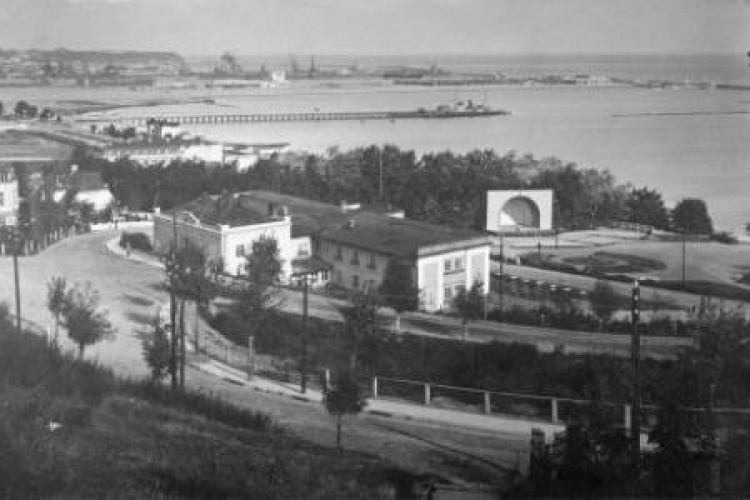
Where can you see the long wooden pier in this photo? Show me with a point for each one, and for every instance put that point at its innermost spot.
(218, 119)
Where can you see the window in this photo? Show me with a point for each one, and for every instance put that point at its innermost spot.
(355, 258)
(355, 281)
(448, 293)
(2, 199)
(447, 265)
(240, 251)
(371, 261)
(324, 275)
(458, 264)
(339, 253)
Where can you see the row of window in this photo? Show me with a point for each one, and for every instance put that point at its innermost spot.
(355, 260)
(453, 265)
(357, 283)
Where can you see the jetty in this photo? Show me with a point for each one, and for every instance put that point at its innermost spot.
(231, 118)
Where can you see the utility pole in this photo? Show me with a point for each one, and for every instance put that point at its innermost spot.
(380, 174)
(684, 252)
(303, 378)
(635, 418)
(171, 269)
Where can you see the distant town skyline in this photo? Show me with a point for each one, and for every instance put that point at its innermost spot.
(381, 27)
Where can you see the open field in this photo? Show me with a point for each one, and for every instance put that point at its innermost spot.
(18, 145)
(704, 261)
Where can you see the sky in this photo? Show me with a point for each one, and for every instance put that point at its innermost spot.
(389, 27)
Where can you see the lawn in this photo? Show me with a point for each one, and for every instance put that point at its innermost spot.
(19, 145)
(704, 261)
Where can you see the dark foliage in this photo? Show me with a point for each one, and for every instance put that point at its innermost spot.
(442, 188)
(136, 241)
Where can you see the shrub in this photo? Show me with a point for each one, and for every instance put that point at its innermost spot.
(136, 241)
(724, 237)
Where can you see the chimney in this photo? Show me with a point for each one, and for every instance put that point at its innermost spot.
(283, 211)
(351, 223)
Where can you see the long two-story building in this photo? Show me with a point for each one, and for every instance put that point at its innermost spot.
(337, 244)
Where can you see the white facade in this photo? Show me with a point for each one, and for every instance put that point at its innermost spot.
(230, 244)
(9, 200)
(524, 210)
(152, 154)
(440, 276)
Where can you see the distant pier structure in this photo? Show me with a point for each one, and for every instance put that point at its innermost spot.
(218, 119)
(221, 118)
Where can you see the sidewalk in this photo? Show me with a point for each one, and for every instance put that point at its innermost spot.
(387, 408)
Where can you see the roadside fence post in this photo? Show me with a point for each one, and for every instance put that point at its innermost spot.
(487, 403)
(250, 358)
(555, 414)
(626, 417)
(374, 387)
(427, 394)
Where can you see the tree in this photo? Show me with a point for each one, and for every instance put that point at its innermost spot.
(189, 277)
(470, 304)
(157, 351)
(604, 301)
(398, 289)
(260, 298)
(362, 320)
(86, 324)
(344, 398)
(646, 206)
(57, 291)
(690, 215)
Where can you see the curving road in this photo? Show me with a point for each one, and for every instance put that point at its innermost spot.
(131, 292)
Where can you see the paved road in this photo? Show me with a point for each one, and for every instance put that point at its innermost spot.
(130, 292)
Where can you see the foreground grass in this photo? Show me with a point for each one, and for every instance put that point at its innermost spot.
(72, 429)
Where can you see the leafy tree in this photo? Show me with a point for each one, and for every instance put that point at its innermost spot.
(470, 304)
(157, 351)
(345, 398)
(86, 324)
(189, 277)
(398, 289)
(604, 301)
(260, 299)
(57, 294)
(646, 206)
(362, 320)
(690, 215)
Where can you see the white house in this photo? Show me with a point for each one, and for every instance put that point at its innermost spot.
(342, 245)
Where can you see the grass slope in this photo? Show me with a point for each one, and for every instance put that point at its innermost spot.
(72, 429)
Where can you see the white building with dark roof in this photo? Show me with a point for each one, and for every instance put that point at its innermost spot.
(343, 245)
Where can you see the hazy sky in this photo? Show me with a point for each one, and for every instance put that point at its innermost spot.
(380, 26)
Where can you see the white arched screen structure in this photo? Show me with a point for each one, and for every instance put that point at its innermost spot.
(519, 210)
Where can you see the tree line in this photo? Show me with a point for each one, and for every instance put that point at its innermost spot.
(441, 188)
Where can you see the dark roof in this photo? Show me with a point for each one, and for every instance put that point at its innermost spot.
(370, 231)
(226, 210)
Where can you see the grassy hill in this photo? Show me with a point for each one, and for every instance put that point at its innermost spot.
(72, 429)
